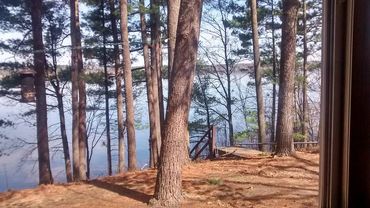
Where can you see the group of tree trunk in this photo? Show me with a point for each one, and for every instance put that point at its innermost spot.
(247, 19)
(285, 115)
(79, 134)
(168, 131)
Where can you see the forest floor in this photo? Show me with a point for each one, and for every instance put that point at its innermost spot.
(253, 180)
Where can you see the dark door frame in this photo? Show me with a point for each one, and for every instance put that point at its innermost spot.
(345, 115)
(334, 117)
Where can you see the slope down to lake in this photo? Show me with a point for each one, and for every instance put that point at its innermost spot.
(256, 181)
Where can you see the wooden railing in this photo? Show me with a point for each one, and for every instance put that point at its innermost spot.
(273, 144)
(209, 139)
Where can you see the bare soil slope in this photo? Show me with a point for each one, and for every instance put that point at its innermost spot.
(256, 180)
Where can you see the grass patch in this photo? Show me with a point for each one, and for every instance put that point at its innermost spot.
(263, 154)
(215, 181)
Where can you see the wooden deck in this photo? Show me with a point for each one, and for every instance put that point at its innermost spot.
(239, 152)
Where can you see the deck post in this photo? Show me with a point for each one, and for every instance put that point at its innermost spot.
(212, 142)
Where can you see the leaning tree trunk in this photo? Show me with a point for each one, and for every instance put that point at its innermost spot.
(168, 186)
(284, 128)
(173, 8)
(258, 78)
(118, 75)
(153, 123)
(67, 158)
(74, 80)
(45, 176)
(130, 122)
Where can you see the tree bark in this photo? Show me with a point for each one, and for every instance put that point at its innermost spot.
(82, 98)
(173, 8)
(156, 64)
(284, 130)
(118, 77)
(45, 176)
(258, 78)
(155, 47)
(168, 186)
(130, 122)
(75, 102)
(78, 97)
(153, 123)
(106, 89)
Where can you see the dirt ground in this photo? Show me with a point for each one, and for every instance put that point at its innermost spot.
(255, 180)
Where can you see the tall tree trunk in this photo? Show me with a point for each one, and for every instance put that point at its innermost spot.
(156, 54)
(153, 123)
(67, 158)
(106, 89)
(168, 186)
(225, 42)
(273, 111)
(173, 8)
(228, 96)
(258, 78)
(155, 46)
(45, 176)
(82, 98)
(75, 102)
(130, 121)
(304, 123)
(284, 130)
(59, 95)
(160, 84)
(118, 75)
(78, 96)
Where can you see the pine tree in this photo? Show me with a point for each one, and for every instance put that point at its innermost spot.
(130, 122)
(258, 78)
(78, 97)
(168, 185)
(173, 16)
(45, 176)
(284, 127)
(154, 122)
(55, 25)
